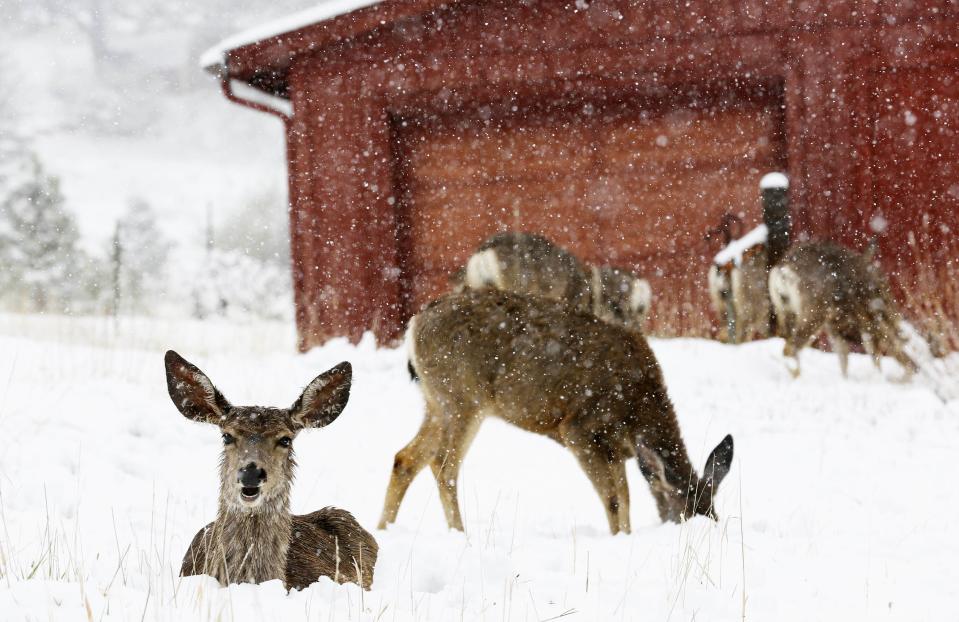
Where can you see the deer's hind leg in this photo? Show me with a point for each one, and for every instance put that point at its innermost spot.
(896, 349)
(458, 435)
(841, 348)
(409, 461)
(622, 495)
(801, 335)
(869, 345)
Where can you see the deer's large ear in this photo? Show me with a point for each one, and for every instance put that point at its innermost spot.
(719, 462)
(323, 399)
(192, 392)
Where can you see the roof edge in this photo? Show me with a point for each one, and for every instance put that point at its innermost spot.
(215, 55)
(261, 56)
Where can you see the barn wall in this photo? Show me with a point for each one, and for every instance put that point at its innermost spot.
(343, 231)
(834, 59)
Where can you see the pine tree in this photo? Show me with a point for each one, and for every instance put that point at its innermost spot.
(138, 252)
(38, 243)
(259, 228)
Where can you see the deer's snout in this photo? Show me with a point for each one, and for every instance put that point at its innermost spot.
(251, 476)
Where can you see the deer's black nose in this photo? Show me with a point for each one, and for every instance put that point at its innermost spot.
(252, 476)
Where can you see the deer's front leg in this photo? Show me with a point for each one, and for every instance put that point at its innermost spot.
(408, 462)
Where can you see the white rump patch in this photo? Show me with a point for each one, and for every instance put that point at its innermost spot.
(410, 339)
(784, 290)
(641, 295)
(483, 269)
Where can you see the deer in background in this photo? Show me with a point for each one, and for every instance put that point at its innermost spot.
(254, 537)
(595, 388)
(738, 281)
(531, 264)
(821, 286)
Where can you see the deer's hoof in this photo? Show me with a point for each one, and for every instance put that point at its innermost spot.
(793, 371)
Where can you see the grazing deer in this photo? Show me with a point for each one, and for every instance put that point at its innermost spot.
(594, 387)
(254, 537)
(822, 286)
(527, 263)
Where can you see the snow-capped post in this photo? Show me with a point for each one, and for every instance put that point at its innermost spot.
(774, 188)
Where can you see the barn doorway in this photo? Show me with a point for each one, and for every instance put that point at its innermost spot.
(633, 180)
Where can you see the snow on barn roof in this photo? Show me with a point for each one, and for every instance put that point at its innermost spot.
(734, 251)
(215, 57)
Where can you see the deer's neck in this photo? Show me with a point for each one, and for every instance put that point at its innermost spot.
(250, 546)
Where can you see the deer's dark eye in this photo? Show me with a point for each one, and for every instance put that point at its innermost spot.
(228, 438)
(285, 441)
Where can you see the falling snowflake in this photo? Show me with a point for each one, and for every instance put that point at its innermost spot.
(878, 223)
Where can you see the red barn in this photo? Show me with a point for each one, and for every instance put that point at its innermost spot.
(622, 129)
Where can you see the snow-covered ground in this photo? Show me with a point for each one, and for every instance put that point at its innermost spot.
(839, 505)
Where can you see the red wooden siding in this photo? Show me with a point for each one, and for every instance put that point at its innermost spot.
(837, 79)
(632, 183)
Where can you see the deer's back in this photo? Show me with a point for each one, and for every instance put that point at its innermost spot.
(537, 364)
(839, 284)
(330, 543)
(534, 265)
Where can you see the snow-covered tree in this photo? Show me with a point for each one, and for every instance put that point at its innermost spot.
(138, 254)
(13, 145)
(38, 243)
(260, 228)
(232, 284)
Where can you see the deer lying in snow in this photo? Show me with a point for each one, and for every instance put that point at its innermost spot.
(527, 263)
(594, 387)
(254, 537)
(822, 286)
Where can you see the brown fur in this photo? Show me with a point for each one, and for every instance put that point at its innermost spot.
(531, 264)
(594, 387)
(328, 542)
(258, 540)
(744, 291)
(821, 286)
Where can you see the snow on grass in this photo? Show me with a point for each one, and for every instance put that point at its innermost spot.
(837, 507)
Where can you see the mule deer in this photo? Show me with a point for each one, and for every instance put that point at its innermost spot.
(254, 537)
(823, 286)
(527, 263)
(739, 287)
(594, 387)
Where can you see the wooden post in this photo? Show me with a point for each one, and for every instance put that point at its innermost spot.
(774, 189)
